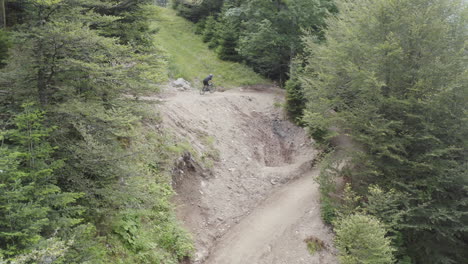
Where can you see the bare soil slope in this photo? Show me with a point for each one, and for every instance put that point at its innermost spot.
(248, 195)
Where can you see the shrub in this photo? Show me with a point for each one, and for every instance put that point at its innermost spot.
(361, 240)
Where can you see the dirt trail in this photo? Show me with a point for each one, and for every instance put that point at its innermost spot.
(248, 241)
(247, 193)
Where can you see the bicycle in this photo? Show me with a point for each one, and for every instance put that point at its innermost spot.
(211, 88)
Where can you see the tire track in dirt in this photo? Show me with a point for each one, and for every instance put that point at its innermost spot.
(250, 240)
(259, 200)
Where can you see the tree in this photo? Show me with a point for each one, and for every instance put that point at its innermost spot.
(74, 60)
(272, 32)
(265, 34)
(5, 44)
(209, 31)
(392, 75)
(31, 203)
(78, 60)
(361, 240)
(197, 10)
(295, 99)
(131, 24)
(264, 49)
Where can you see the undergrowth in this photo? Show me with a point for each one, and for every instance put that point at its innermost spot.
(146, 230)
(329, 204)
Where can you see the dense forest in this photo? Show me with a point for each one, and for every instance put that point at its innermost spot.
(82, 178)
(391, 76)
(264, 34)
(84, 170)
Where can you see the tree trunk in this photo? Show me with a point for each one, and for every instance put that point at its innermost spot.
(2, 14)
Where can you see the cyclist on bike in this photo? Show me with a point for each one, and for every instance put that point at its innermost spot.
(206, 81)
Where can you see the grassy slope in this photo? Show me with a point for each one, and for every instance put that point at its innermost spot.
(191, 59)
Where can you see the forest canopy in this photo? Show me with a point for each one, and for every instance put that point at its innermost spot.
(82, 179)
(392, 75)
(264, 34)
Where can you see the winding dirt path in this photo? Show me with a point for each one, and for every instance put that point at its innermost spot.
(247, 192)
(248, 241)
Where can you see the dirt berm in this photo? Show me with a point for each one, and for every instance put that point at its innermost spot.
(247, 191)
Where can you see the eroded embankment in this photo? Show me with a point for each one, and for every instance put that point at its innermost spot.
(249, 195)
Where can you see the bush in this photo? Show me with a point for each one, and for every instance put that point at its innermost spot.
(327, 181)
(328, 209)
(361, 240)
(295, 101)
(209, 30)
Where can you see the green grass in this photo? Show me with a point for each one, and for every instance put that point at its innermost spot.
(191, 59)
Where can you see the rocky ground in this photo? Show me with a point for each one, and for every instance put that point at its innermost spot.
(247, 191)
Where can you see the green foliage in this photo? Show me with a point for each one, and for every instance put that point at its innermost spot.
(197, 10)
(328, 209)
(392, 75)
(265, 34)
(49, 250)
(4, 46)
(265, 49)
(390, 207)
(133, 23)
(228, 30)
(327, 179)
(350, 201)
(31, 204)
(120, 167)
(295, 100)
(147, 231)
(191, 59)
(80, 60)
(87, 246)
(143, 243)
(361, 239)
(272, 32)
(209, 32)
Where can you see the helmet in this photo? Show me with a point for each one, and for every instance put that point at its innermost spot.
(211, 74)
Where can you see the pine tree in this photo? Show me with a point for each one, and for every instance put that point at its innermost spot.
(272, 32)
(229, 28)
(392, 75)
(31, 204)
(209, 31)
(79, 60)
(295, 99)
(197, 10)
(361, 240)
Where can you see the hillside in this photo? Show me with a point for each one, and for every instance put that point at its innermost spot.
(246, 181)
(191, 59)
(108, 156)
(246, 184)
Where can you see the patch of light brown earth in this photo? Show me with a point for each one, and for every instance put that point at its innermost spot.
(254, 199)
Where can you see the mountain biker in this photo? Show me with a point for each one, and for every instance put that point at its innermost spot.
(206, 81)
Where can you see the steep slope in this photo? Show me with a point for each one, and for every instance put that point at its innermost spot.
(247, 191)
(190, 58)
